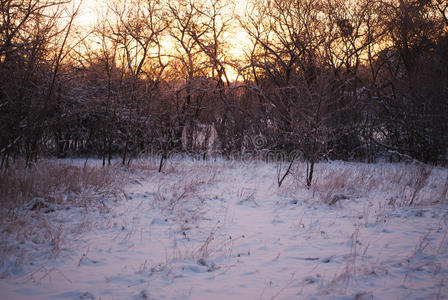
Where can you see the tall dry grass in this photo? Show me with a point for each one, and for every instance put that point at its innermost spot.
(54, 182)
(405, 185)
(26, 232)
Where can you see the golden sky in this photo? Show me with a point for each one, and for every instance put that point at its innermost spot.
(236, 39)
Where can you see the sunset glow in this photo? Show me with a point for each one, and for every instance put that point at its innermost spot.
(235, 40)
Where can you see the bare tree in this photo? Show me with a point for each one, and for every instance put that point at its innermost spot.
(330, 79)
(137, 28)
(33, 44)
(198, 31)
(410, 97)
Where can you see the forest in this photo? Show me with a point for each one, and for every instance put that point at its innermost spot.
(285, 79)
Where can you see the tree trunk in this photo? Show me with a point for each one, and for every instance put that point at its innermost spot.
(309, 172)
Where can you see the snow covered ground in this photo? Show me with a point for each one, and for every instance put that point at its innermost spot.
(225, 230)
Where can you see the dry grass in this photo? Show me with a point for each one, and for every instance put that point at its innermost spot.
(54, 182)
(405, 185)
(28, 195)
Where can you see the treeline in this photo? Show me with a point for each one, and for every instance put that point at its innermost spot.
(325, 79)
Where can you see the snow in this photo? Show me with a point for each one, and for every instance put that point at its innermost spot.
(225, 230)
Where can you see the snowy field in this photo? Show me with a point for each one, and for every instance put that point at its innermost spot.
(225, 230)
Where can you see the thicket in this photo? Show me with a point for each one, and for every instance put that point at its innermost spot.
(326, 79)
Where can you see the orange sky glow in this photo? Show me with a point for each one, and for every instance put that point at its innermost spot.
(236, 39)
